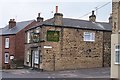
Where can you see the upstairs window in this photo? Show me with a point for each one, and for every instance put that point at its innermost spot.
(28, 37)
(89, 36)
(117, 54)
(7, 43)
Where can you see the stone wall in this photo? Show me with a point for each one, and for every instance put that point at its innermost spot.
(72, 52)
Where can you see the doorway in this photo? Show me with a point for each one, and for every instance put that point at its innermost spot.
(35, 55)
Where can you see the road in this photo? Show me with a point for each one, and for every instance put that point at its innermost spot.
(82, 73)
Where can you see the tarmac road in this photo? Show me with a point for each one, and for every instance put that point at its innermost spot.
(82, 73)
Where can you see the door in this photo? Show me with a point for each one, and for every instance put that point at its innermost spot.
(34, 58)
(6, 61)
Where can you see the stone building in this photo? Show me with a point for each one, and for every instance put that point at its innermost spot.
(115, 40)
(64, 43)
(12, 39)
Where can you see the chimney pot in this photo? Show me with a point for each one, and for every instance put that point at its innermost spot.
(38, 14)
(110, 19)
(10, 19)
(92, 12)
(56, 9)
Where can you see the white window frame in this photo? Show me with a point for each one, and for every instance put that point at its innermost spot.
(117, 54)
(91, 36)
(6, 59)
(7, 42)
(28, 37)
(28, 56)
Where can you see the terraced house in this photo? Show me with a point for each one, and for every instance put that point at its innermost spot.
(12, 42)
(64, 43)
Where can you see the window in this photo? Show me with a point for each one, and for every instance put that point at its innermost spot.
(6, 58)
(7, 43)
(89, 36)
(28, 56)
(117, 54)
(28, 37)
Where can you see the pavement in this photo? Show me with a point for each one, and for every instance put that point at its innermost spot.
(81, 73)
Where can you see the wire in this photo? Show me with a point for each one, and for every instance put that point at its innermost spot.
(97, 8)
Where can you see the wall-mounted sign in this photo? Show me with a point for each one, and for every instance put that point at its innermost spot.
(11, 57)
(53, 36)
(47, 46)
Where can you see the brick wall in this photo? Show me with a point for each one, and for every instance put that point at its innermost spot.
(17, 46)
(20, 44)
(10, 50)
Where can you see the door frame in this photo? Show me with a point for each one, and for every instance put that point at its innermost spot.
(33, 58)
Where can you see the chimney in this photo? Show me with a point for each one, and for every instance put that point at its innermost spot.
(39, 19)
(12, 23)
(110, 19)
(92, 17)
(58, 17)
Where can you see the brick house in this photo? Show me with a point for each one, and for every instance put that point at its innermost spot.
(64, 43)
(12, 42)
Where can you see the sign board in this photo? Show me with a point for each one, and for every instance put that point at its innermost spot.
(11, 57)
(47, 46)
(53, 36)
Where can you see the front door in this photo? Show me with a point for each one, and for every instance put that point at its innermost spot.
(35, 58)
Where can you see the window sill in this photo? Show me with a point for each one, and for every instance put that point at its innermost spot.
(89, 41)
(117, 63)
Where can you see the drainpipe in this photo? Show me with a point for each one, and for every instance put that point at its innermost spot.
(54, 62)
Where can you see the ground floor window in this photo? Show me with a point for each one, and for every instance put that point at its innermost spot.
(6, 58)
(117, 54)
(28, 56)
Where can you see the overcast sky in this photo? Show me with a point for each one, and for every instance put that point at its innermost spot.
(22, 10)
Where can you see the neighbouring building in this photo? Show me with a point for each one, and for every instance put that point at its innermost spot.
(115, 40)
(64, 43)
(12, 39)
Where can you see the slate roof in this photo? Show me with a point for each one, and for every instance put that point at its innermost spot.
(84, 24)
(19, 26)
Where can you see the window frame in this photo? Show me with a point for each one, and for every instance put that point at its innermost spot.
(91, 36)
(28, 37)
(28, 56)
(117, 54)
(7, 44)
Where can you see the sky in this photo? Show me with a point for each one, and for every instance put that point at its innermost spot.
(23, 10)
